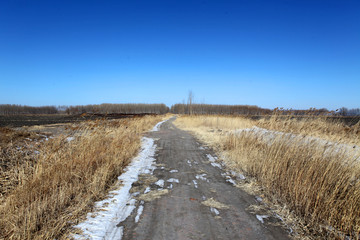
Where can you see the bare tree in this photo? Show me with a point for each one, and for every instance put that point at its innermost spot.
(190, 102)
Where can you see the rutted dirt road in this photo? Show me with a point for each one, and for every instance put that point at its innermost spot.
(190, 196)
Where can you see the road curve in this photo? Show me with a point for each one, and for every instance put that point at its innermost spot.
(197, 201)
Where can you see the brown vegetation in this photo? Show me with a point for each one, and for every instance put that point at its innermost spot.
(318, 182)
(17, 157)
(321, 127)
(68, 176)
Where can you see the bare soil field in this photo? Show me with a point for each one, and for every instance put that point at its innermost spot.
(31, 120)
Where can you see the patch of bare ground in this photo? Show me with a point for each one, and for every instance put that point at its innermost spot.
(51, 190)
(302, 172)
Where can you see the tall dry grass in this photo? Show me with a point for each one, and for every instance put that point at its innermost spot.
(69, 176)
(318, 182)
(321, 127)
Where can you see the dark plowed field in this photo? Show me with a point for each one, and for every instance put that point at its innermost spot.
(31, 120)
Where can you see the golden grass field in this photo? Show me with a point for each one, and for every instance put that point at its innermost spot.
(51, 190)
(306, 175)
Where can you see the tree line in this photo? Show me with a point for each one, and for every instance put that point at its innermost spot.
(13, 109)
(128, 108)
(219, 109)
(189, 108)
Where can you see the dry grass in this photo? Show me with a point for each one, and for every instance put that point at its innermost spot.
(320, 127)
(17, 157)
(317, 182)
(215, 204)
(152, 195)
(68, 177)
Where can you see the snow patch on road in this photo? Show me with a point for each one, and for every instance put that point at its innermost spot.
(238, 175)
(174, 171)
(201, 176)
(115, 209)
(189, 162)
(214, 210)
(139, 212)
(212, 161)
(147, 190)
(216, 165)
(160, 183)
(261, 217)
(157, 126)
(173, 180)
(230, 180)
(195, 183)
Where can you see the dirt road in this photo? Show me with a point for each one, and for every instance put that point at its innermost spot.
(192, 197)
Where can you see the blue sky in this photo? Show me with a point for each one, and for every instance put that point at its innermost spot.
(285, 53)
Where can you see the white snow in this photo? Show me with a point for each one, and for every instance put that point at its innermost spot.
(189, 162)
(147, 190)
(229, 179)
(195, 183)
(157, 126)
(201, 176)
(216, 165)
(120, 204)
(211, 158)
(170, 186)
(214, 210)
(160, 183)
(261, 217)
(173, 180)
(238, 175)
(212, 161)
(174, 171)
(139, 212)
(69, 139)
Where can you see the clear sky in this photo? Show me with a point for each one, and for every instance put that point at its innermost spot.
(284, 53)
